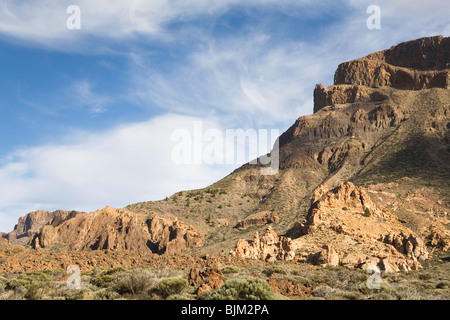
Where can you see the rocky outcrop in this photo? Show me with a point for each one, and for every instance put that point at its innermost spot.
(288, 287)
(30, 224)
(344, 196)
(408, 244)
(120, 229)
(270, 247)
(362, 234)
(328, 256)
(372, 73)
(258, 219)
(205, 279)
(168, 236)
(342, 94)
(414, 65)
(439, 238)
(429, 53)
(335, 157)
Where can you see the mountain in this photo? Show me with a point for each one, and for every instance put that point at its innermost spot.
(33, 222)
(362, 181)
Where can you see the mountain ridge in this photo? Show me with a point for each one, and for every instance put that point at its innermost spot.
(384, 124)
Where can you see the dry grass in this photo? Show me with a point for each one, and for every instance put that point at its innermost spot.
(329, 283)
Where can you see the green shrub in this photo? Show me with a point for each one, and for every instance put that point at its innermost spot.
(184, 296)
(245, 288)
(425, 276)
(136, 282)
(102, 280)
(366, 212)
(105, 278)
(230, 269)
(106, 294)
(383, 296)
(14, 284)
(75, 294)
(171, 286)
(274, 269)
(34, 292)
(41, 276)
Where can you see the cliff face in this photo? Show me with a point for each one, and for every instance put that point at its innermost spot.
(386, 118)
(30, 224)
(119, 229)
(414, 65)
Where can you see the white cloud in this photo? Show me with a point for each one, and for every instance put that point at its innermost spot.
(246, 80)
(83, 93)
(127, 164)
(44, 21)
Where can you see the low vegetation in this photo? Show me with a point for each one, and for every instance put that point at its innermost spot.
(277, 281)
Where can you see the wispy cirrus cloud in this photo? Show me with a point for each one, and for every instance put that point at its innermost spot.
(250, 79)
(44, 22)
(83, 95)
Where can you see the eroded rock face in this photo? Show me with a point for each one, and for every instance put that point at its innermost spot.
(258, 219)
(334, 157)
(172, 236)
(30, 224)
(439, 238)
(270, 247)
(372, 73)
(429, 53)
(328, 256)
(408, 244)
(344, 196)
(120, 229)
(342, 94)
(205, 279)
(414, 65)
(362, 235)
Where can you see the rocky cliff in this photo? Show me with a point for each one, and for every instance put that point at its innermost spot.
(33, 222)
(413, 65)
(387, 116)
(119, 229)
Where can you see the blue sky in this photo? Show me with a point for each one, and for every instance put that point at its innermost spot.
(87, 115)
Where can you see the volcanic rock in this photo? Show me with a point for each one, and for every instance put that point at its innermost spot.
(258, 219)
(270, 247)
(31, 223)
(120, 229)
(206, 279)
(414, 65)
(363, 234)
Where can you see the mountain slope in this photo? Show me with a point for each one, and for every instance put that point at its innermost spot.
(386, 117)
